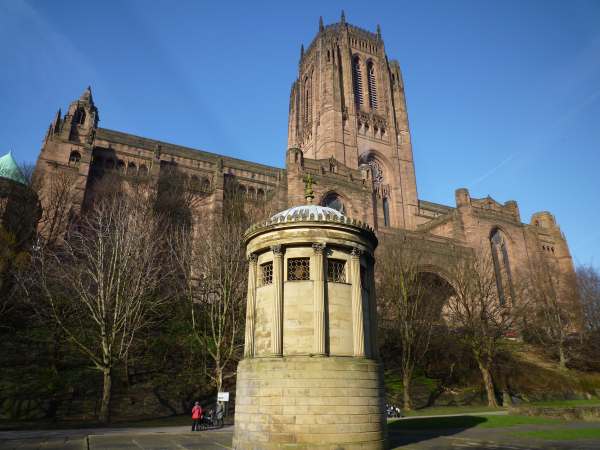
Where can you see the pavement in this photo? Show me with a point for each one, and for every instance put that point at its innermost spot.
(180, 438)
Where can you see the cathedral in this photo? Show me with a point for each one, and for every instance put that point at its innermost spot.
(348, 129)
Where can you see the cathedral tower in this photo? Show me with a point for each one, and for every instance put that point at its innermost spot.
(348, 104)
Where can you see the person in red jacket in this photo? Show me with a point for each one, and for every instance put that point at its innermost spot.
(196, 416)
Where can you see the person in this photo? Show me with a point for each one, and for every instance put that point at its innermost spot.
(219, 414)
(196, 416)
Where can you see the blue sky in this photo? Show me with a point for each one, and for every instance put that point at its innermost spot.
(503, 97)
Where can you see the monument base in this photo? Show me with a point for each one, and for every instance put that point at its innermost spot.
(303, 402)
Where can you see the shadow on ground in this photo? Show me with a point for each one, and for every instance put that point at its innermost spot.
(411, 431)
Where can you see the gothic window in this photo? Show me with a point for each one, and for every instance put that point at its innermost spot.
(251, 192)
(266, 273)
(334, 201)
(336, 270)
(260, 194)
(386, 212)
(307, 101)
(205, 185)
(74, 158)
(357, 81)
(79, 117)
(143, 170)
(195, 181)
(501, 267)
(298, 269)
(121, 165)
(372, 85)
(131, 169)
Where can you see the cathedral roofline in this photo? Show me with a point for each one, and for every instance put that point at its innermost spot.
(176, 150)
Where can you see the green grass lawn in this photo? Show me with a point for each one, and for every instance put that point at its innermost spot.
(567, 434)
(564, 403)
(435, 423)
(441, 410)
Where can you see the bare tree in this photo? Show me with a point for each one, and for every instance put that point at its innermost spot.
(409, 304)
(476, 313)
(57, 194)
(588, 283)
(555, 307)
(107, 274)
(213, 269)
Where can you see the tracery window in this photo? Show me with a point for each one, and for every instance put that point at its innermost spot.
(501, 267)
(298, 269)
(143, 171)
(372, 85)
(336, 270)
(266, 273)
(357, 82)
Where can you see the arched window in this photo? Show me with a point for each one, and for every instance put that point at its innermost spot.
(121, 165)
(143, 171)
(501, 267)
(372, 85)
(131, 168)
(205, 185)
(251, 192)
(260, 194)
(357, 82)
(79, 117)
(307, 101)
(74, 158)
(386, 212)
(334, 201)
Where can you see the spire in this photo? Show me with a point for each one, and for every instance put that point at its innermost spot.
(378, 32)
(343, 19)
(56, 122)
(321, 26)
(302, 51)
(87, 96)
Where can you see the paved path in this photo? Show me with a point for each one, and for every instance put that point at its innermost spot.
(180, 438)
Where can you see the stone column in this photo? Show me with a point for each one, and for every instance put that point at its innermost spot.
(373, 311)
(318, 301)
(250, 307)
(277, 325)
(358, 326)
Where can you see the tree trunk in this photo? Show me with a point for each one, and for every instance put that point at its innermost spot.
(489, 385)
(562, 356)
(406, 376)
(106, 393)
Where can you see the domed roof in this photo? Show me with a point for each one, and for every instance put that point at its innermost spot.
(306, 211)
(9, 169)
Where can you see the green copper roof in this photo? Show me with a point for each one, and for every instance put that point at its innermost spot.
(10, 170)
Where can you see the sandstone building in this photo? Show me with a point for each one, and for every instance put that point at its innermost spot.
(348, 128)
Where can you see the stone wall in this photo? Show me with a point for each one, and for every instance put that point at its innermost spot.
(309, 403)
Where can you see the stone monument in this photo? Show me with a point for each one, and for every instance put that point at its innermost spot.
(310, 377)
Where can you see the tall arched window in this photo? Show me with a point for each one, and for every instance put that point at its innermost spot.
(386, 212)
(357, 81)
(307, 101)
(372, 85)
(501, 267)
(79, 116)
